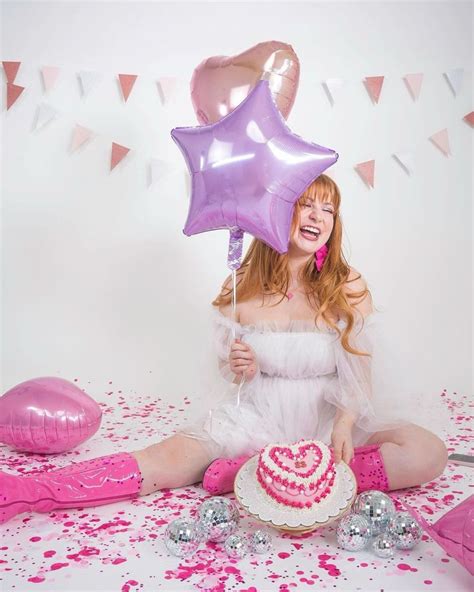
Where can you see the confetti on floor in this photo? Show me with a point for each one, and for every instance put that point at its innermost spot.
(119, 547)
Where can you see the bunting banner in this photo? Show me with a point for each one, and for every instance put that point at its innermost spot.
(366, 171)
(118, 154)
(158, 168)
(413, 83)
(88, 81)
(455, 78)
(441, 140)
(13, 92)
(167, 86)
(80, 136)
(50, 75)
(126, 84)
(332, 88)
(45, 114)
(166, 89)
(11, 70)
(469, 118)
(373, 85)
(405, 160)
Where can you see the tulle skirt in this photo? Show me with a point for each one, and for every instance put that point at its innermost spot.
(272, 410)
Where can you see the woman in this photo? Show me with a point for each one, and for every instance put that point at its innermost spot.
(303, 346)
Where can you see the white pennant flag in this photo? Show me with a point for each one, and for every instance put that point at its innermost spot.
(166, 88)
(158, 169)
(88, 81)
(455, 78)
(332, 87)
(45, 114)
(405, 160)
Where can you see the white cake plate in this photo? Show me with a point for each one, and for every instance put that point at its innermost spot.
(261, 506)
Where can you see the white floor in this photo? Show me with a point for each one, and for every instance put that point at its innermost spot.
(119, 547)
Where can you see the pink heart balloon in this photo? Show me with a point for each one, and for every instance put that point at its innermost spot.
(46, 415)
(220, 83)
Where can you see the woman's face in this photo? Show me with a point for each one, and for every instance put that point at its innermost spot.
(314, 227)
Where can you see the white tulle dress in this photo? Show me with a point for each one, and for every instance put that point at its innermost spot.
(304, 375)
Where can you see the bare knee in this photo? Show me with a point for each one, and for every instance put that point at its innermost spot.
(438, 456)
(177, 461)
(427, 454)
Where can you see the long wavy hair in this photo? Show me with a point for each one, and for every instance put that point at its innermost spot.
(264, 271)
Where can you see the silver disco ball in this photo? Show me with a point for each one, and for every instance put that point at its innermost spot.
(377, 507)
(353, 532)
(405, 530)
(182, 537)
(218, 518)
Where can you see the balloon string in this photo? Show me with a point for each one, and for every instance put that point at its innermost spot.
(234, 317)
(234, 257)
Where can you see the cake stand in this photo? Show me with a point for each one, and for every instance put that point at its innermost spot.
(261, 506)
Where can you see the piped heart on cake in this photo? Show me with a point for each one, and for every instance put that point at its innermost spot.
(297, 459)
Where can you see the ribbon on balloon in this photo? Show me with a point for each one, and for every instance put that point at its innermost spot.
(234, 257)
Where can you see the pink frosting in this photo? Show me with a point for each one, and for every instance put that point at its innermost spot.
(304, 464)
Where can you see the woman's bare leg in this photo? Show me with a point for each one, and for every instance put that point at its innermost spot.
(412, 455)
(176, 461)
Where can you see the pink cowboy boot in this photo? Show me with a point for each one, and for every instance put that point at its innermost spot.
(93, 482)
(369, 468)
(220, 474)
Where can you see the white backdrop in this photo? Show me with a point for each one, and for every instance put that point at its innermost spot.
(99, 283)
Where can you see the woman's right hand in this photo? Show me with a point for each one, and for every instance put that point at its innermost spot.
(242, 360)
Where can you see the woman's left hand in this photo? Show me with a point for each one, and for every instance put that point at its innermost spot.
(341, 439)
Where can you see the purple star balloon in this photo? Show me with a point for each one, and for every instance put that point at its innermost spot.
(248, 170)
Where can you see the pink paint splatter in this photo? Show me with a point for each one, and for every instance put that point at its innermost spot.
(118, 560)
(36, 580)
(126, 586)
(56, 566)
(406, 567)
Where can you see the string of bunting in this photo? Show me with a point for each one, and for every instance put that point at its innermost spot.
(167, 86)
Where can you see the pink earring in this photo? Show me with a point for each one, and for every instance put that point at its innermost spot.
(320, 256)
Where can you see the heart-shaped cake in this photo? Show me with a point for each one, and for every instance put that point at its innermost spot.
(297, 475)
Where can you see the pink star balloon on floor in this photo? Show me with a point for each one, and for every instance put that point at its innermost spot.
(248, 169)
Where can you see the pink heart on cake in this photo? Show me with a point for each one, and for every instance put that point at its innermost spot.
(299, 460)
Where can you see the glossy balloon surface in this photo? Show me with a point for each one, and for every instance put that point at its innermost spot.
(220, 83)
(47, 415)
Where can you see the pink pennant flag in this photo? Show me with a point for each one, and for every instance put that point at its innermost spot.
(366, 171)
(126, 84)
(373, 85)
(469, 118)
(166, 88)
(80, 135)
(11, 70)
(441, 141)
(13, 92)
(50, 75)
(118, 153)
(413, 83)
